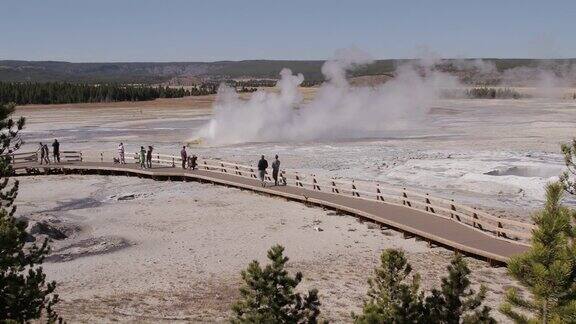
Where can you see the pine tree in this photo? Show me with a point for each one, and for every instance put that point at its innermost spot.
(456, 302)
(394, 295)
(569, 152)
(24, 292)
(548, 269)
(268, 294)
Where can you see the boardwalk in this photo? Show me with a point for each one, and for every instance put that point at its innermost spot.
(435, 229)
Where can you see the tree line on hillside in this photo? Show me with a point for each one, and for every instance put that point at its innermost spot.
(492, 93)
(253, 83)
(266, 83)
(483, 92)
(61, 93)
(64, 92)
(204, 89)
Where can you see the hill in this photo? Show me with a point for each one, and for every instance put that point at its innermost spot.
(171, 72)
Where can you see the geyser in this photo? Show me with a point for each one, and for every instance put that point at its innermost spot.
(338, 111)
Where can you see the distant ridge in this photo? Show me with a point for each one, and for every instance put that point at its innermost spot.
(151, 72)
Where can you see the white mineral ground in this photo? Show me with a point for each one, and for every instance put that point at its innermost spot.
(174, 251)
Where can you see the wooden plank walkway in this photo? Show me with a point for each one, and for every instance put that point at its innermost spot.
(434, 229)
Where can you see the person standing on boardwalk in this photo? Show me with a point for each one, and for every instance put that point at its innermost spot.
(56, 151)
(262, 166)
(41, 149)
(142, 157)
(275, 169)
(149, 158)
(46, 153)
(121, 157)
(183, 156)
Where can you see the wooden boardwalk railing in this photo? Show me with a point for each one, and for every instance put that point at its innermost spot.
(498, 226)
(372, 194)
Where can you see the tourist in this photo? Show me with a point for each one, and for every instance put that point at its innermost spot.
(41, 149)
(46, 153)
(193, 162)
(275, 169)
(142, 157)
(56, 151)
(121, 158)
(149, 158)
(183, 156)
(262, 166)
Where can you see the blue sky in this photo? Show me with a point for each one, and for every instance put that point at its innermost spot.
(178, 30)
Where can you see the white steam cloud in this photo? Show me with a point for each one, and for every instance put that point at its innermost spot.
(338, 111)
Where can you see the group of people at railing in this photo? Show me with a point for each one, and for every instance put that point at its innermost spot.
(145, 157)
(188, 161)
(263, 165)
(44, 151)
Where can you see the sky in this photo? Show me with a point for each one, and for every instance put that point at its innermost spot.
(179, 30)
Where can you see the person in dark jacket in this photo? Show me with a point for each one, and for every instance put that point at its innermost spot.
(56, 151)
(184, 156)
(275, 169)
(262, 166)
(149, 158)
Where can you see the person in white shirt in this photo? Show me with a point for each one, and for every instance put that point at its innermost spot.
(121, 153)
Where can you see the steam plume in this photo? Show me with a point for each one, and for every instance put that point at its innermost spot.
(338, 111)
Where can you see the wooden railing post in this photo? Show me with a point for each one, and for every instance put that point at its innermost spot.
(405, 201)
(223, 168)
(101, 157)
(81, 158)
(334, 188)
(354, 190)
(379, 193)
(315, 186)
(475, 216)
(452, 207)
(173, 162)
(252, 174)
(298, 182)
(429, 204)
(501, 233)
